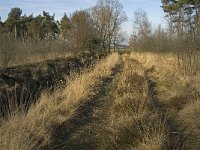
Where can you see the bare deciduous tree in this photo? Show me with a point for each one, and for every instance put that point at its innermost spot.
(82, 33)
(141, 38)
(108, 16)
(141, 23)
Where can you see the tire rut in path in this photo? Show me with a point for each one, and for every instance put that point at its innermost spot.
(175, 139)
(63, 134)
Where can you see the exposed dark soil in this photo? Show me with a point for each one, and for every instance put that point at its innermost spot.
(22, 85)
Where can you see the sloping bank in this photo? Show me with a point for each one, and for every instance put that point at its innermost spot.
(22, 85)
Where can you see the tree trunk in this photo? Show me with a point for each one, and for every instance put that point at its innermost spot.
(15, 31)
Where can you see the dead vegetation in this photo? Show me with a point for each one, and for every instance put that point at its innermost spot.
(132, 121)
(178, 94)
(133, 101)
(17, 52)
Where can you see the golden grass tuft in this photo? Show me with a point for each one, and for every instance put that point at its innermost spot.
(190, 125)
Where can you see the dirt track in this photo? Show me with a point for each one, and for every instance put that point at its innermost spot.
(91, 122)
(70, 134)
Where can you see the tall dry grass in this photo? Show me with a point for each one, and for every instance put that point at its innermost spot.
(132, 120)
(178, 84)
(173, 75)
(33, 130)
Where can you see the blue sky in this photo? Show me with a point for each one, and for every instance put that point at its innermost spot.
(59, 7)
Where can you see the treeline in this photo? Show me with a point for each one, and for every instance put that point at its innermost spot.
(181, 34)
(97, 28)
(183, 16)
(29, 27)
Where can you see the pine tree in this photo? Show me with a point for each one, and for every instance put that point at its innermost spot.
(184, 15)
(13, 21)
(1, 25)
(65, 26)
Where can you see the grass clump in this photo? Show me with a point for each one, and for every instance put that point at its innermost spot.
(178, 95)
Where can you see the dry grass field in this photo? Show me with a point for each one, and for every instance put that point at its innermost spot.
(100, 75)
(136, 101)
